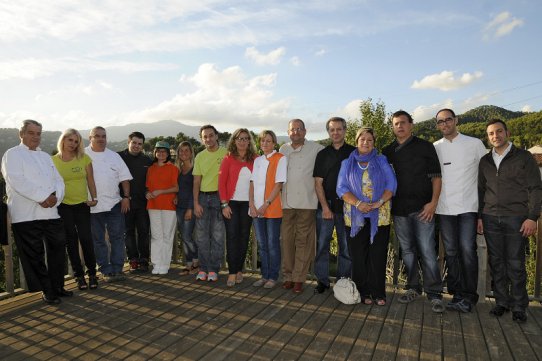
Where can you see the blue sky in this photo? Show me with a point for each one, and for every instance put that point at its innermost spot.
(258, 64)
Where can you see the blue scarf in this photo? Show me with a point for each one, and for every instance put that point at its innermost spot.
(354, 177)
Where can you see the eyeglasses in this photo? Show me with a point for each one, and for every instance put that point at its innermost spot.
(242, 139)
(445, 121)
(296, 130)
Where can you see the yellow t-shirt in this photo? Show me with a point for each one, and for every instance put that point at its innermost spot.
(207, 165)
(74, 174)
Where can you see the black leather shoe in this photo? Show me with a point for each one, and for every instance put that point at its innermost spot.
(64, 292)
(498, 311)
(519, 316)
(50, 300)
(320, 288)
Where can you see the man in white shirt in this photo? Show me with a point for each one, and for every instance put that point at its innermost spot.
(459, 156)
(109, 171)
(35, 189)
(299, 204)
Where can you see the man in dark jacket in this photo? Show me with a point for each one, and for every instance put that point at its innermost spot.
(510, 195)
(137, 218)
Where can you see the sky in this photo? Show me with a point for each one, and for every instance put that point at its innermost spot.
(258, 64)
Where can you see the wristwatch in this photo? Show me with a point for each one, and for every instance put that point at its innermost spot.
(223, 205)
(127, 197)
(267, 201)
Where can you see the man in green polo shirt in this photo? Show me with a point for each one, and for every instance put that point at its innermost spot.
(210, 229)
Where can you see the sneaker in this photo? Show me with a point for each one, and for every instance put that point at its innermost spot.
(108, 278)
(201, 276)
(270, 284)
(437, 305)
(134, 265)
(120, 276)
(260, 282)
(212, 277)
(410, 295)
(453, 303)
(463, 306)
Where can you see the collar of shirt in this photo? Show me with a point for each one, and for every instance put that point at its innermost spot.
(497, 158)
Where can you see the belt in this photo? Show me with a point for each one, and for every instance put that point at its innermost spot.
(213, 192)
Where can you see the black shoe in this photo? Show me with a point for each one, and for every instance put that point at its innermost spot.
(82, 283)
(519, 316)
(50, 300)
(498, 311)
(92, 282)
(320, 287)
(143, 267)
(452, 305)
(463, 306)
(64, 292)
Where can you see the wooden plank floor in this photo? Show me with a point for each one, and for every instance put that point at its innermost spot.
(173, 317)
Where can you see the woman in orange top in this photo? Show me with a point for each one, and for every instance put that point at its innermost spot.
(162, 190)
(268, 175)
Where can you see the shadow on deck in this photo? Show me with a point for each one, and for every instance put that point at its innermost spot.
(173, 317)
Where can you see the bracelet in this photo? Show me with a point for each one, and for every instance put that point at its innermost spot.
(223, 205)
(268, 202)
(358, 203)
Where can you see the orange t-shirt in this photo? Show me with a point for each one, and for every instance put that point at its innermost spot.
(162, 177)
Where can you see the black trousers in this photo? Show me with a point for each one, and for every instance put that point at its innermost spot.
(76, 219)
(237, 235)
(30, 238)
(137, 248)
(369, 260)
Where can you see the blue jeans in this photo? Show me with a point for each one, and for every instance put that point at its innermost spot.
(324, 233)
(417, 239)
(110, 258)
(210, 233)
(186, 227)
(268, 236)
(459, 237)
(506, 250)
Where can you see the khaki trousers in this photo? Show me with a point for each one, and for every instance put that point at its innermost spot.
(298, 240)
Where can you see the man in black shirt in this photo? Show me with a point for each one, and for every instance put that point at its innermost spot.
(137, 217)
(330, 208)
(417, 168)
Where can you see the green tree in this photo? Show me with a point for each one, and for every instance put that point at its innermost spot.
(372, 115)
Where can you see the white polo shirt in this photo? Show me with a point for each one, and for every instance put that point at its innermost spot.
(259, 176)
(459, 161)
(109, 170)
(31, 177)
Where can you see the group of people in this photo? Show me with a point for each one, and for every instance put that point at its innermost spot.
(294, 197)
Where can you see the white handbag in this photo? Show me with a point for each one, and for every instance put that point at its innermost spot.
(345, 291)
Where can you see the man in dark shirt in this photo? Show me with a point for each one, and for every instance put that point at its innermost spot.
(417, 168)
(509, 194)
(137, 217)
(330, 208)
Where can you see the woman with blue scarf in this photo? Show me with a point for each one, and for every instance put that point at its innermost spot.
(366, 183)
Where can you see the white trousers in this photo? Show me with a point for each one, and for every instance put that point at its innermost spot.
(163, 225)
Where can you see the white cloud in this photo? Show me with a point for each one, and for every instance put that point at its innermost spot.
(225, 97)
(32, 68)
(446, 80)
(321, 52)
(272, 58)
(425, 112)
(295, 61)
(502, 24)
(527, 108)
(351, 110)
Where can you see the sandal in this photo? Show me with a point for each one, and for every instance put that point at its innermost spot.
(194, 269)
(367, 300)
(184, 271)
(81, 283)
(380, 301)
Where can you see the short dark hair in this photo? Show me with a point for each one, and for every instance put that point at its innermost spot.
(495, 121)
(401, 112)
(207, 126)
(336, 119)
(26, 123)
(446, 110)
(297, 120)
(136, 135)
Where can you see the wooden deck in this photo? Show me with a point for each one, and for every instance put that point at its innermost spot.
(173, 317)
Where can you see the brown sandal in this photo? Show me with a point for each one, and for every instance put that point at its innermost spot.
(185, 271)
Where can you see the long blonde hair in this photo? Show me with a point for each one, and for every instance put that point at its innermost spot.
(178, 161)
(80, 151)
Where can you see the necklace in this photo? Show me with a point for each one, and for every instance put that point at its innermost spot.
(362, 167)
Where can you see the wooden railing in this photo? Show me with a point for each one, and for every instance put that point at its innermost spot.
(484, 286)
